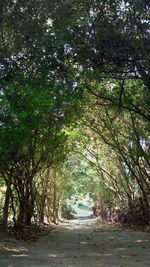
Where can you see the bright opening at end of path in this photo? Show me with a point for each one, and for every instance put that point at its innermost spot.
(81, 207)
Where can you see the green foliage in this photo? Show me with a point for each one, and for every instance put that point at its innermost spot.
(107, 37)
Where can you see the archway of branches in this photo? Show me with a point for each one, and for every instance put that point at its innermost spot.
(74, 117)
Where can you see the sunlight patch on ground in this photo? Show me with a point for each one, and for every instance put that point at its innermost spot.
(56, 255)
(120, 249)
(21, 255)
(139, 241)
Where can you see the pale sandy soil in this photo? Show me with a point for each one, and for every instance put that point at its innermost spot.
(79, 243)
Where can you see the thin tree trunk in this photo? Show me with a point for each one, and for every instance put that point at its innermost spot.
(6, 208)
(41, 213)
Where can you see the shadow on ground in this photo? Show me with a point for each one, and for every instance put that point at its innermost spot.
(78, 243)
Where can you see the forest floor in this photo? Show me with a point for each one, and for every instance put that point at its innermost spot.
(82, 242)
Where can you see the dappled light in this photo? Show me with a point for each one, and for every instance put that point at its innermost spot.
(56, 255)
(18, 256)
(78, 244)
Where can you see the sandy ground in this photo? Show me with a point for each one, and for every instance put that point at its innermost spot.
(78, 243)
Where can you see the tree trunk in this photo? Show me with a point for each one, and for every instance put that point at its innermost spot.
(54, 196)
(6, 208)
(41, 213)
(21, 217)
(29, 210)
(26, 198)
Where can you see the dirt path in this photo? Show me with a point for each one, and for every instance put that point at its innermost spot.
(80, 243)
